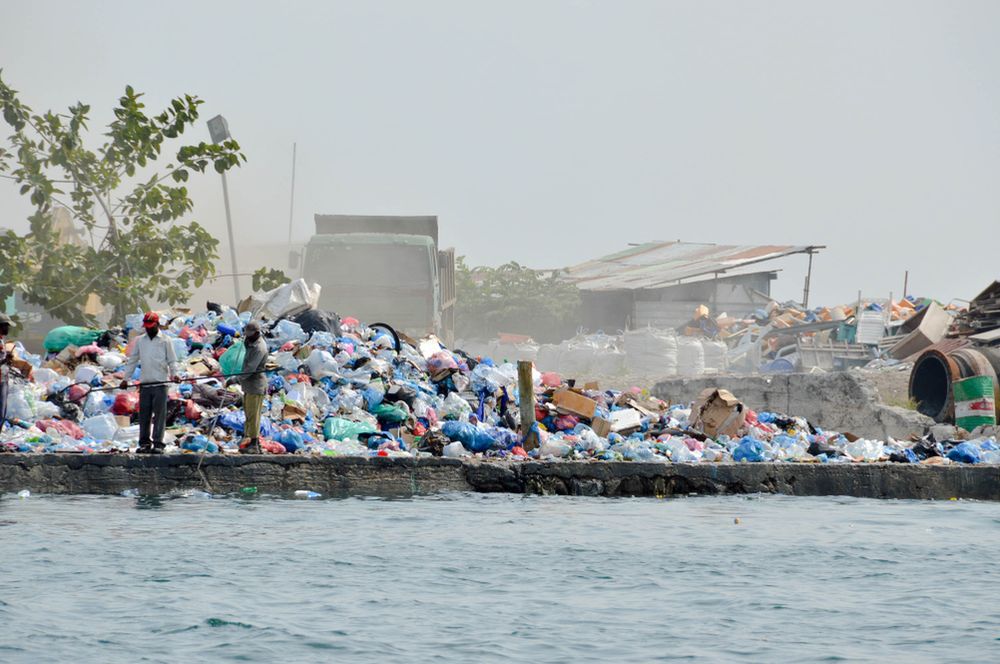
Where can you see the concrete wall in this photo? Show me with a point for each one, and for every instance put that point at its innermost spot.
(841, 401)
(342, 476)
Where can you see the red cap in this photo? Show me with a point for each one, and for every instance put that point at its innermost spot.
(151, 319)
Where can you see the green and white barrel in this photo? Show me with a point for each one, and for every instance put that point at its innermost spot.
(975, 403)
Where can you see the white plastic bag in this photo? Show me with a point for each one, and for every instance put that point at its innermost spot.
(100, 427)
(290, 299)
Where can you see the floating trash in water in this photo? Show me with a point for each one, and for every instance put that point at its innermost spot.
(130, 493)
(24, 493)
(308, 495)
(248, 490)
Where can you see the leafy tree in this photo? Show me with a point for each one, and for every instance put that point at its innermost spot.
(265, 279)
(516, 299)
(134, 249)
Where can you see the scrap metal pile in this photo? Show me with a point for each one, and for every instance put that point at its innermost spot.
(346, 388)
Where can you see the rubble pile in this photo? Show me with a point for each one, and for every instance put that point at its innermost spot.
(340, 387)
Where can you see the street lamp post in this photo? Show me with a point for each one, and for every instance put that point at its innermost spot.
(218, 128)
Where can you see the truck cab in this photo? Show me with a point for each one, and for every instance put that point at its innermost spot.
(384, 269)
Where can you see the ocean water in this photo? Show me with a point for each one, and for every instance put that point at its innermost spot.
(484, 578)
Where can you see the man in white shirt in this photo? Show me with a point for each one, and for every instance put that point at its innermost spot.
(157, 364)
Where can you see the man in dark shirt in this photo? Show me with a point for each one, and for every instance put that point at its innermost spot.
(254, 386)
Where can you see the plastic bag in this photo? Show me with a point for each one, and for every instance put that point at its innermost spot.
(471, 436)
(97, 404)
(125, 403)
(651, 351)
(965, 453)
(100, 427)
(321, 363)
(749, 449)
(287, 330)
(233, 420)
(455, 407)
(231, 361)
(291, 440)
(290, 299)
(69, 335)
(337, 428)
(392, 414)
(86, 373)
(455, 450)
(111, 361)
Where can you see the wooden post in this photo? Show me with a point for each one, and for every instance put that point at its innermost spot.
(526, 391)
(809, 273)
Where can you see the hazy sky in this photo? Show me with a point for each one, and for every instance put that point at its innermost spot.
(551, 132)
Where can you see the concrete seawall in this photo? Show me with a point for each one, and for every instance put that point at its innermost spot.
(344, 476)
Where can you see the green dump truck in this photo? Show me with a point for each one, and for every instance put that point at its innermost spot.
(384, 269)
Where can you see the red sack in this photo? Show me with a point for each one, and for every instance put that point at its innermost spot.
(77, 392)
(192, 411)
(125, 403)
(298, 377)
(271, 447)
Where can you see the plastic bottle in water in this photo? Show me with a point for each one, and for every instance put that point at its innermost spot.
(308, 495)
(130, 493)
(23, 493)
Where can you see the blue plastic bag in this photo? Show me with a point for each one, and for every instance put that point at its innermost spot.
(292, 440)
(749, 450)
(965, 453)
(234, 419)
(472, 437)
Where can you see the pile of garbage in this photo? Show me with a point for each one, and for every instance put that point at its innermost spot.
(776, 338)
(341, 387)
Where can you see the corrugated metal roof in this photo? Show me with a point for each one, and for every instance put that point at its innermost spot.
(659, 264)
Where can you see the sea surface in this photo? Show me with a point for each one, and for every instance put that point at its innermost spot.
(497, 578)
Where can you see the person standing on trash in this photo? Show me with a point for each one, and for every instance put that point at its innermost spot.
(157, 365)
(254, 384)
(5, 322)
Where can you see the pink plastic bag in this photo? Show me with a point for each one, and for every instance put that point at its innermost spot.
(551, 379)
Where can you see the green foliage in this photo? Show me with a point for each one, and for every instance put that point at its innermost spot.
(265, 279)
(133, 249)
(513, 298)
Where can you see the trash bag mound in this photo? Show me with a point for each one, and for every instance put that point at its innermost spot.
(337, 387)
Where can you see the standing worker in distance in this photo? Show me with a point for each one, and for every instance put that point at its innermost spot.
(157, 364)
(254, 386)
(5, 322)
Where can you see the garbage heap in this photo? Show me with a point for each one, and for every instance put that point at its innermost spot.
(340, 387)
(776, 338)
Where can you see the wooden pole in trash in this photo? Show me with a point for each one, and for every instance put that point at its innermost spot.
(906, 284)
(526, 392)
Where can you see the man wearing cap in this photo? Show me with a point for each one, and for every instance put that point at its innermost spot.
(157, 364)
(4, 361)
(254, 384)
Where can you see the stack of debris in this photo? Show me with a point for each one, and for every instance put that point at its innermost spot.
(352, 389)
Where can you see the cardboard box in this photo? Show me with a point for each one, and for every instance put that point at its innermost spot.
(575, 403)
(625, 420)
(601, 426)
(293, 411)
(718, 412)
